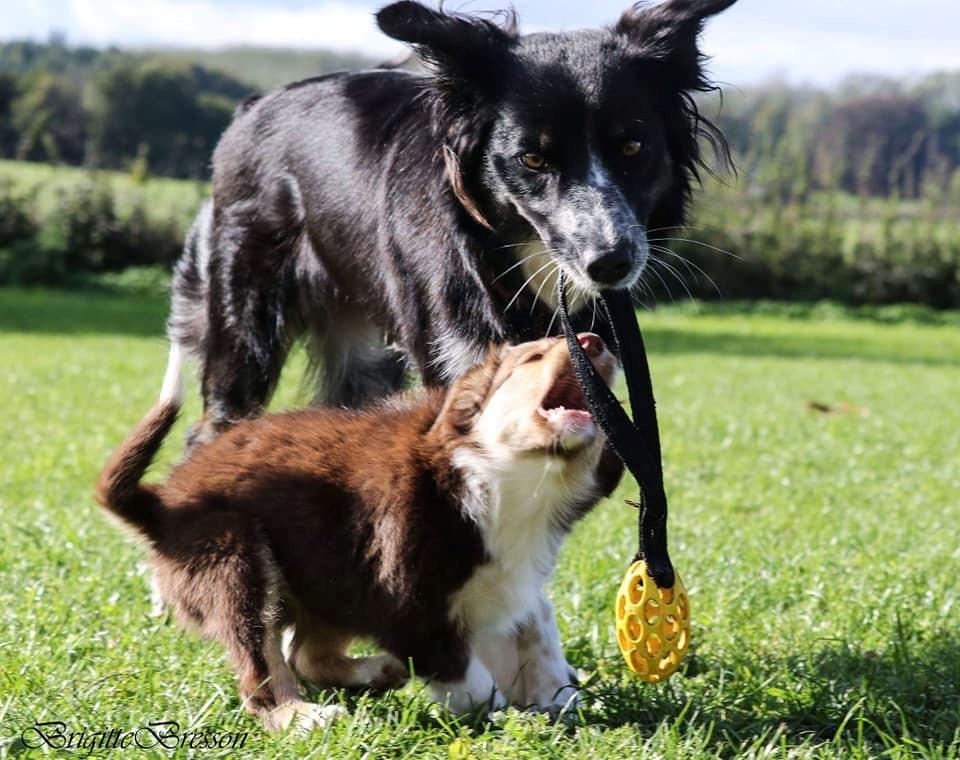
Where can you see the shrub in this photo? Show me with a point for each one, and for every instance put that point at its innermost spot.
(829, 245)
(16, 214)
(84, 234)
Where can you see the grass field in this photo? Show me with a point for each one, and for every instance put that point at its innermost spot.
(821, 552)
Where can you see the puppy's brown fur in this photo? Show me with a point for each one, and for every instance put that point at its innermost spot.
(363, 523)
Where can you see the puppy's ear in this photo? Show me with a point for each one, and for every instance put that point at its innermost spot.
(466, 397)
(668, 33)
(461, 48)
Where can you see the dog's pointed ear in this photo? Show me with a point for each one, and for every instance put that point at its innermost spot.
(459, 47)
(668, 32)
(469, 57)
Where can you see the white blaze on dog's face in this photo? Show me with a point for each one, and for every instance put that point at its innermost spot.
(535, 404)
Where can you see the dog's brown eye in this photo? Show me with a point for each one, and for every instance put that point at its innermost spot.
(533, 358)
(533, 161)
(632, 148)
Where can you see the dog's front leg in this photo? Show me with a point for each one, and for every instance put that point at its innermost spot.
(476, 690)
(529, 666)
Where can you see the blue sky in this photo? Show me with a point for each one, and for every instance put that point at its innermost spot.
(816, 41)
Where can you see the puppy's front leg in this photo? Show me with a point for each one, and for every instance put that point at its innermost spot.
(529, 665)
(476, 689)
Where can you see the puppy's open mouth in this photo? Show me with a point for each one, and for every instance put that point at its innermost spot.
(564, 406)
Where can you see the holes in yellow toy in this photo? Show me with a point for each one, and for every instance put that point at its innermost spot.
(668, 663)
(651, 612)
(653, 625)
(638, 664)
(670, 627)
(653, 645)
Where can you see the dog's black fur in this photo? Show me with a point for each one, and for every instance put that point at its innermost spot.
(385, 215)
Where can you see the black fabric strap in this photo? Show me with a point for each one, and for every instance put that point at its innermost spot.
(636, 442)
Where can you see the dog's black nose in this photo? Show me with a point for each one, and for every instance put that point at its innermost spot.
(610, 267)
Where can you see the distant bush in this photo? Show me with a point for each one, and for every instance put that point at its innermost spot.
(84, 235)
(825, 246)
(18, 231)
(16, 214)
(145, 280)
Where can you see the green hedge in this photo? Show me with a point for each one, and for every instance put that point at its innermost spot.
(742, 246)
(84, 233)
(825, 246)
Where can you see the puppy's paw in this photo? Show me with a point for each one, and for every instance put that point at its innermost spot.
(302, 716)
(561, 704)
(386, 672)
(319, 717)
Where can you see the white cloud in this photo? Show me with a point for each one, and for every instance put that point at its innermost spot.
(745, 50)
(817, 41)
(200, 23)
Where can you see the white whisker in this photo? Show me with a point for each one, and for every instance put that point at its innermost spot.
(675, 273)
(695, 242)
(520, 263)
(528, 281)
(536, 298)
(647, 293)
(689, 264)
(662, 281)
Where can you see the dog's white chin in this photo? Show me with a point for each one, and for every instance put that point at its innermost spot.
(574, 428)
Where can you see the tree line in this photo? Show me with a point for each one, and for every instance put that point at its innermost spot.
(872, 136)
(850, 194)
(111, 108)
(114, 109)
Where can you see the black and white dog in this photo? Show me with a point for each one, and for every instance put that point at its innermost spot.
(394, 219)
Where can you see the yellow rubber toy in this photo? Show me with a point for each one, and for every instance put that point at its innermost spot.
(653, 624)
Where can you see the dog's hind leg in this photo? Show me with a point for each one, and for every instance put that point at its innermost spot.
(353, 363)
(267, 685)
(288, 706)
(247, 281)
(318, 654)
(247, 618)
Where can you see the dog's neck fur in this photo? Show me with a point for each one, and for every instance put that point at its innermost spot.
(523, 506)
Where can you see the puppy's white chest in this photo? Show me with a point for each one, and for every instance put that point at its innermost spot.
(517, 519)
(498, 596)
(519, 509)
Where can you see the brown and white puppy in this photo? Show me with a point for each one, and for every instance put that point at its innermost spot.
(429, 523)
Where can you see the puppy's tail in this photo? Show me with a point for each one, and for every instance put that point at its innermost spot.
(118, 488)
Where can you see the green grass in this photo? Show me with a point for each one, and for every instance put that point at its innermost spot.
(820, 551)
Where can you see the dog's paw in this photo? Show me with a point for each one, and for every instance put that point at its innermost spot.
(318, 717)
(385, 672)
(563, 704)
(302, 716)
